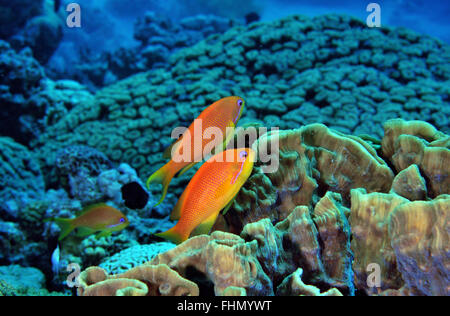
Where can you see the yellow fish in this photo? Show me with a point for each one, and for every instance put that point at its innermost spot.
(212, 189)
(96, 218)
(222, 115)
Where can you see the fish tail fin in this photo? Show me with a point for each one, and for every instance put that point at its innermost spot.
(65, 224)
(173, 235)
(163, 176)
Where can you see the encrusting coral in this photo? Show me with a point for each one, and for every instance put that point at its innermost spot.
(371, 242)
(312, 159)
(419, 143)
(293, 285)
(133, 256)
(420, 239)
(140, 281)
(410, 184)
(334, 238)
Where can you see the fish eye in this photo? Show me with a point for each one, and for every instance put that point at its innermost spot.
(240, 102)
(122, 220)
(243, 154)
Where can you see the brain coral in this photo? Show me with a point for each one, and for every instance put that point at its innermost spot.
(330, 69)
(133, 256)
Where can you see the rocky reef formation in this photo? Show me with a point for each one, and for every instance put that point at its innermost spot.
(30, 101)
(158, 36)
(83, 176)
(33, 24)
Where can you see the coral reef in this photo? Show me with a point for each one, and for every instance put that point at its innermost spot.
(133, 256)
(17, 276)
(158, 36)
(346, 198)
(15, 14)
(21, 179)
(312, 160)
(410, 184)
(371, 242)
(419, 237)
(419, 143)
(336, 72)
(333, 240)
(41, 33)
(140, 281)
(30, 100)
(294, 286)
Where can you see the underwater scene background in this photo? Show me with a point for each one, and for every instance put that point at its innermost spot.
(358, 206)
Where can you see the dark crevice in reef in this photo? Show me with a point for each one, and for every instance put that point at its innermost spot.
(12, 128)
(310, 94)
(205, 285)
(386, 160)
(268, 70)
(322, 189)
(428, 182)
(322, 103)
(103, 113)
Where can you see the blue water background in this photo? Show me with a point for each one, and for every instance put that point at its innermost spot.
(108, 24)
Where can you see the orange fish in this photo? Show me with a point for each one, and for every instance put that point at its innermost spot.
(212, 189)
(95, 218)
(223, 116)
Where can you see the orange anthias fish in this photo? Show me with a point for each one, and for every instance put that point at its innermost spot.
(222, 115)
(212, 189)
(96, 218)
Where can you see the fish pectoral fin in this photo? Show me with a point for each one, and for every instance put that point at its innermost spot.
(189, 166)
(84, 231)
(168, 151)
(205, 227)
(222, 147)
(176, 212)
(227, 207)
(105, 233)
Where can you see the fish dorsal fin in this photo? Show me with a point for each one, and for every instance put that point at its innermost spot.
(91, 207)
(189, 166)
(105, 233)
(168, 151)
(227, 207)
(229, 136)
(205, 226)
(176, 212)
(84, 231)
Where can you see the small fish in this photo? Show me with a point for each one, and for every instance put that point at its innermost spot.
(96, 218)
(224, 115)
(134, 195)
(212, 189)
(56, 258)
